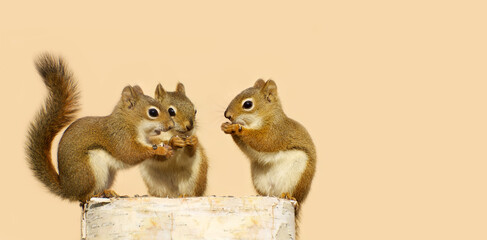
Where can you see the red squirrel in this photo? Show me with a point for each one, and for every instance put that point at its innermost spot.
(91, 149)
(185, 173)
(281, 152)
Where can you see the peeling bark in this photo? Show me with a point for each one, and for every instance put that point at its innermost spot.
(189, 218)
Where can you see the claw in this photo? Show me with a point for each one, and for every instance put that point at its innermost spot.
(177, 142)
(288, 196)
(107, 194)
(165, 150)
(230, 128)
(191, 141)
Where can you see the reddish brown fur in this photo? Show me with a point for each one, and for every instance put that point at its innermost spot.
(201, 181)
(116, 133)
(278, 132)
(59, 110)
(184, 124)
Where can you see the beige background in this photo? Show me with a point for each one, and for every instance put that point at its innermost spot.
(393, 95)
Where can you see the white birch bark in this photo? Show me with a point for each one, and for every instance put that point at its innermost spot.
(189, 218)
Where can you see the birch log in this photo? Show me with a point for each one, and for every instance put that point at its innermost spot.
(189, 218)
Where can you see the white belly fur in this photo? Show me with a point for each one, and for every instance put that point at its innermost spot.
(104, 167)
(173, 177)
(277, 173)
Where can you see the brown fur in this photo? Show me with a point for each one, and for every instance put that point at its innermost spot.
(185, 144)
(202, 175)
(59, 110)
(277, 132)
(116, 133)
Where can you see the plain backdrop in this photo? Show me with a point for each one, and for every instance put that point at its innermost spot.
(392, 93)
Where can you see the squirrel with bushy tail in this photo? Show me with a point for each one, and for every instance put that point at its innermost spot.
(91, 149)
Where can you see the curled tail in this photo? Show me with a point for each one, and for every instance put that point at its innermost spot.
(58, 111)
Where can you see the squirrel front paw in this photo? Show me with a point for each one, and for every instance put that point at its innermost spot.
(231, 128)
(177, 142)
(164, 150)
(191, 141)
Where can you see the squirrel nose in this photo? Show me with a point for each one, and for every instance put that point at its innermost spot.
(190, 125)
(227, 115)
(170, 125)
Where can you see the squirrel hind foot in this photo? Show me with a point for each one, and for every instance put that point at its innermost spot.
(107, 194)
(287, 196)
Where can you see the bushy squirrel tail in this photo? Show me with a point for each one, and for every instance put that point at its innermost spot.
(57, 112)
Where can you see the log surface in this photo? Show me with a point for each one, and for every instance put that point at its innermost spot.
(252, 217)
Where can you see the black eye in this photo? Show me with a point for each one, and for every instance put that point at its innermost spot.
(153, 112)
(195, 111)
(171, 112)
(248, 104)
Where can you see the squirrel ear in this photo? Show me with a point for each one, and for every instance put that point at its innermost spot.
(259, 83)
(270, 90)
(180, 89)
(160, 92)
(129, 96)
(138, 90)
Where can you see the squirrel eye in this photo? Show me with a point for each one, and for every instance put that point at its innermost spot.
(195, 111)
(153, 112)
(248, 104)
(171, 112)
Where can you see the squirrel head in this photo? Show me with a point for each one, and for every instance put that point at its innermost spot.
(143, 111)
(179, 107)
(255, 105)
